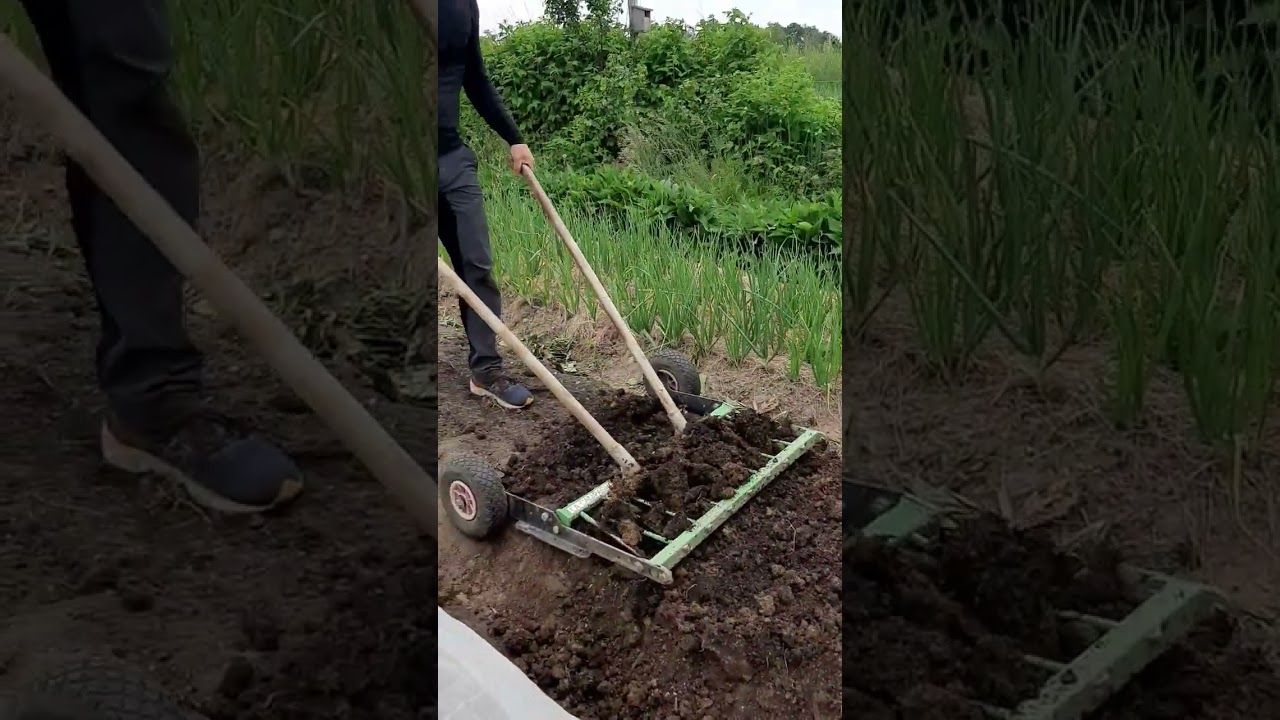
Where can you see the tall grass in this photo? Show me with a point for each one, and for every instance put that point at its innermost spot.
(823, 63)
(769, 307)
(1085, 184)
(320, 88)
(319, 83)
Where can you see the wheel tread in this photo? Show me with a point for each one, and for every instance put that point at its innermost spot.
(680, 366)
(108, 691)
(486, 484)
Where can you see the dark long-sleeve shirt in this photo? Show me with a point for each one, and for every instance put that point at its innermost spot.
(462, 68)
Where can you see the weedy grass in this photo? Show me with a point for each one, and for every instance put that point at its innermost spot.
(325, 88)
(314, 84)
(767, 306)
(1088, 182)
(823, 63)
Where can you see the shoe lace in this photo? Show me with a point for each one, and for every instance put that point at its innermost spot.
(500, 384)
(207, 428)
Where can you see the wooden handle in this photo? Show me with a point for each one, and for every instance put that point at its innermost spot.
(664, 397)
(615, 450)
(234, 301)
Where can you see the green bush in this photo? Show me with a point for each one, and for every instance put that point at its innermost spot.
(579, 89)
(541, 69)
(809, 226)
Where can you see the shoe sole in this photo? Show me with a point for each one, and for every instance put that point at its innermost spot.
(481, 392)
(139, 462)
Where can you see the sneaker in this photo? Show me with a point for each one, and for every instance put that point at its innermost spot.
(220, 465)
(508, 394)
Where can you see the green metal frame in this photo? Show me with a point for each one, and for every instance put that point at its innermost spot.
(676, 549)
(1171, 608)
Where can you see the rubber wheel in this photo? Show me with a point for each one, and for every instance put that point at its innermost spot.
(676, 371)
(93, 689)
(473, 495)
(37, 707)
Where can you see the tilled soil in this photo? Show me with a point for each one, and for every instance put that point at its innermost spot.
(751, 625)
(372, 655)
(929, 631)
(319, 611)
(322, 611)
(680, 479)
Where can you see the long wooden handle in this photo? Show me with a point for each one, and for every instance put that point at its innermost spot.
(611, 446)
(385, 459)
(664, 397)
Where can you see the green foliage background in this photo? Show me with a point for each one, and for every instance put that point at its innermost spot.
(619, 123)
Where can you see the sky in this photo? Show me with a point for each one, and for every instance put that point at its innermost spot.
(822, 14)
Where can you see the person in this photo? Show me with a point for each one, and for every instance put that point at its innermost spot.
(464, 231)
(112, 60)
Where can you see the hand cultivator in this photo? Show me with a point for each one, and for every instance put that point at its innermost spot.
(478, 504)
(1164, 610)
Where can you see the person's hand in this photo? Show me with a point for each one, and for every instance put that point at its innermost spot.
(520, 156)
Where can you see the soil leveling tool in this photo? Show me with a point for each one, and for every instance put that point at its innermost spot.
(478, 504)
(1164, 610)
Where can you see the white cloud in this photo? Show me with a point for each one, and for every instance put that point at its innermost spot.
(824, 15)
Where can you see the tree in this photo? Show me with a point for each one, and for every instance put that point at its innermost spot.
(800, 36)
(563, 12)
(603, 13)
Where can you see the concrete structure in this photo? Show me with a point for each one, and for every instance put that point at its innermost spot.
(638, 18)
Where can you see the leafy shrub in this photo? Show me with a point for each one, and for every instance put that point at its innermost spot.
(541, 69)
(812, 226)
(578, 89)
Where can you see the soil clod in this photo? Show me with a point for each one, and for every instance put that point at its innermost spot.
(931, 633)
(680, 479)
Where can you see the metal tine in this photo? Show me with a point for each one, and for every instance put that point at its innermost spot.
(655, 537)
(647, 504)
(1044, 663)
(1100, 622)
(649, 534)
(998, 713)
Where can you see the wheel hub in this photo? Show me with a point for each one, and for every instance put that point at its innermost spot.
(462, 499)
(668, 379)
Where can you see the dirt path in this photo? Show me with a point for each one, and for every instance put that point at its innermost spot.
(751, 624)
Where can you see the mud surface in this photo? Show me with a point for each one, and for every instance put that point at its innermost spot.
(320, 611)
(928, 630)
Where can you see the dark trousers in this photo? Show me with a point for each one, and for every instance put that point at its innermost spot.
(112, 59)
(465, 235)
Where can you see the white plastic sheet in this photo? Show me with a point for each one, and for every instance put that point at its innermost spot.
(478, 683)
